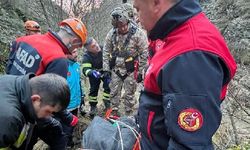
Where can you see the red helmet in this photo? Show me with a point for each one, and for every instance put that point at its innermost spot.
(77, 26)
(32, 26)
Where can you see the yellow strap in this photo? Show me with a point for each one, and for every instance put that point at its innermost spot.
(106, 98)
(87, 71)
(106, 94)
(129, 59)
(86, 65)
(20, 140)
(6, 148)
(92, 98)
(22, 136)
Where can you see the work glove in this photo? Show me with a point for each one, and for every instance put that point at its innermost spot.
(74, 121)
(95, 74)
(139, 78)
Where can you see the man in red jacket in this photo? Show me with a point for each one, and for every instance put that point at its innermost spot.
(189, 69)
(41, 54)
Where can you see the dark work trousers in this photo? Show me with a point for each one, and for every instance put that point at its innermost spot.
(94, 87)
(68, 130)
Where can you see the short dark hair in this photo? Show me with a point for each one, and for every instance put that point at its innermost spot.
(88, 42)
(53, 89)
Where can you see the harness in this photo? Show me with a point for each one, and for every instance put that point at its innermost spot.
(123, 52)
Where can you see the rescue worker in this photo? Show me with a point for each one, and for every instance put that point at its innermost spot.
(23, 100)
(32, 27)
(189, 69)
(76, 92)
(92, 68)
(124, 54)
(46, 54)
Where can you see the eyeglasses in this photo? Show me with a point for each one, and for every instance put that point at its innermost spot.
(116, 17)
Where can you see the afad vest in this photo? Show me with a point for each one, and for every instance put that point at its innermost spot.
(34, 54)
(186, 38)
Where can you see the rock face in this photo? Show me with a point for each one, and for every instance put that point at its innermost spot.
(233, 19)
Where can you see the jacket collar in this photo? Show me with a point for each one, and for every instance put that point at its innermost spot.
(174, 17)
(93, 54)
(71, 61)
(24, 95)
(55, 36)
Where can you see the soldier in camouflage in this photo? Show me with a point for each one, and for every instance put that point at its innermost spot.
(124, 55)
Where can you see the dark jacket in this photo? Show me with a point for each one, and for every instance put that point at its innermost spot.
(16, 109)
(91, 61)
(189, 69)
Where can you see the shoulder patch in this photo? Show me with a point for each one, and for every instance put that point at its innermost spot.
(190, 119)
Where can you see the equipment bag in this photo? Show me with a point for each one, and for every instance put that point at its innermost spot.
(120, 134)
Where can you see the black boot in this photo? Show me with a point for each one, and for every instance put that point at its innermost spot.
(106, 104)
(81, 108)
(93, 109)
(82, 111)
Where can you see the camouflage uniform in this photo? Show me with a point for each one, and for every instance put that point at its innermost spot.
(137, 45)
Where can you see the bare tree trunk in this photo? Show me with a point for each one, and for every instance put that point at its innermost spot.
(236, 138)
(61, 12)
(53, 10)
(45, 14)
(71, 5)
(236, 98)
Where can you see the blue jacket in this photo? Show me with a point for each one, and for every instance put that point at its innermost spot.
(73, 78)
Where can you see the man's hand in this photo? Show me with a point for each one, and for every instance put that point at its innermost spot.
(95, 74)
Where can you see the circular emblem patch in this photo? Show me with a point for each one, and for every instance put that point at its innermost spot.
(190, 119)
